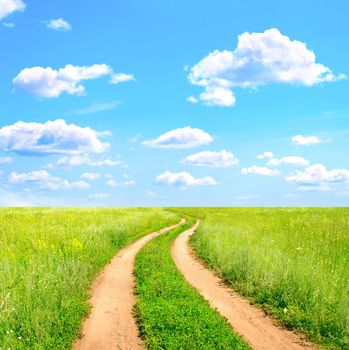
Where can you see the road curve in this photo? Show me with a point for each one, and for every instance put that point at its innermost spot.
(258, 330)
(111, 325)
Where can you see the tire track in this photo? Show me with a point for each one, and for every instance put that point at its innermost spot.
(111, 325)
(258, 330)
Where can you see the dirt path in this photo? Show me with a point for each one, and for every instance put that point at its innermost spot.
(260, 331)
(111, 325)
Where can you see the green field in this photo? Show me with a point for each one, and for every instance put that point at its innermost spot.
(293, 262)
(48, 258)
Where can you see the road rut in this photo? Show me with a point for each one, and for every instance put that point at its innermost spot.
(111, 325)
(258, 330)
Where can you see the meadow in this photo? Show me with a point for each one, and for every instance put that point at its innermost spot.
(48, 259)
(292, 262)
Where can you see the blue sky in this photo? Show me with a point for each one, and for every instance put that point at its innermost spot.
(196, 103)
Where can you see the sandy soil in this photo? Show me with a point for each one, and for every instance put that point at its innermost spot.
(260, 331)
(111, 325)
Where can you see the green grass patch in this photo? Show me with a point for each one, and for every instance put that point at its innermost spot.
(292, 261)
(171, 314)
(48, 259)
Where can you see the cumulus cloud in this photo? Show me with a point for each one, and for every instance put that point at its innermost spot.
(184, 179)
(317, 178)
(192, 99)
(217, 96)
(260, 58)
(121, 78)
(260, 170)
(59, 24)
(265, 155)
(186, 137)
(288, 160)
(90, 176)
(221, 159)
(46, 181)
(47, 82)
(305, 140)
(88, 161)
(52, 137)
(7, 7)
(113, 183)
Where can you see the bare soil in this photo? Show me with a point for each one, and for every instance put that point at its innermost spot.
(257, 329)
(111, 324)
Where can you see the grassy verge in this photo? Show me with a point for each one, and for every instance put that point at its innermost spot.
(293, 262)
(48, 259)
(171, 314)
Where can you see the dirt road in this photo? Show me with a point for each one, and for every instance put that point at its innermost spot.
(260, 331)
(111, 325)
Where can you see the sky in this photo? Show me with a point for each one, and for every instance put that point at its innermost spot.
(174, 103)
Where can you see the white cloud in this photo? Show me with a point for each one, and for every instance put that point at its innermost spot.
(218, 96)
(49, 83)
(100, 195)
(192, 99)
(9, 25)
(87, 160)
(113, 183)
(95, 108)
(6, 160)
(317, 178)
(260, 58)
(59, 24)
(289, 160)
(314, 188)
(221, 159)
(45, 181)
(57, 184)
(52, 137)
(150, 194)
(265, 155)
(135, 138)
(186, 137)
(305, 140)
(7, 7)
(184, 179)
(260, 170)
(121, 78)
(33, 176)
(90, 176)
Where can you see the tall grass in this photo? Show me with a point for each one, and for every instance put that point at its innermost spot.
(48, 258)
(294, 262)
